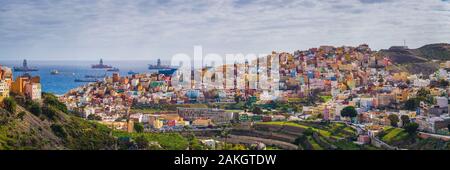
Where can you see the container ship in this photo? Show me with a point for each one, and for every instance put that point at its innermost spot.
(25, 68)
(113, 69)
(101, 65)
(95, 76)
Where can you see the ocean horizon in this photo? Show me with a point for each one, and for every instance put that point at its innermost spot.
(70, 70)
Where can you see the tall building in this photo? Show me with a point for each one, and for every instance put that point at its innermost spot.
(27, 86)
(5, 82)
(18, 86)
(33, 91)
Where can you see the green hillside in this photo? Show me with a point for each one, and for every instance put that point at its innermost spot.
(48, 126)
(400, 138)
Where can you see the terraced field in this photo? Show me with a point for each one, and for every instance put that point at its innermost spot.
(400, 138)
(312, 135)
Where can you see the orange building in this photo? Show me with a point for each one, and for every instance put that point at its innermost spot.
(19, 86)
(116, 77)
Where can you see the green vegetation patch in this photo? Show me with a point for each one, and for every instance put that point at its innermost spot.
(169, 141)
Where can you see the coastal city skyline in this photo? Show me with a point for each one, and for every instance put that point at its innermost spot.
(141, 30)
(225, 83)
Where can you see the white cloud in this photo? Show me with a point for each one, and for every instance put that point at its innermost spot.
(142, 29)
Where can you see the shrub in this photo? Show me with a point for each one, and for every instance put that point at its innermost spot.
(349, 111)
(59, 130)
(139, 127)
(405, 119)
(10, 104)
(393, 119)
(50, 112)
(35, 108)
(94, 117)
(21, 115)
(52, 100)
(411, 128)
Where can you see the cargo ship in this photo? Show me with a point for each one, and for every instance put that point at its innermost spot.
(113, 69)
(101, 65)
(87, 80)
(132, 72)
(25, 68)
(159, 66)
(95, 76)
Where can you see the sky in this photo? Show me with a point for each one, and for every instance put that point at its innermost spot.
(149, 29)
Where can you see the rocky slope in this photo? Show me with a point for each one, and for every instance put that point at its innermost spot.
(51, 129)
(424, 60)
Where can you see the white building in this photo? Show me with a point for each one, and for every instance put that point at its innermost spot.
(442, 102)
(88, 111)
(134, 82)
(421, 82)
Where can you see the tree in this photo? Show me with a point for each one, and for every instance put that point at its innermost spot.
(224, 133)
(35, 108)
(139, 127)
(21, 115)
(349, 111)
(10, 104)
(59, 130)
(411, 128)
(237, 98)
(423, 93)
(393, 118)
(405, 119)
(257, 111)
(443, 83)
(141, 142)
(52, 100)
(308, 132)
(50, 111)
(412, 104)
(94, 117)
(299, 140)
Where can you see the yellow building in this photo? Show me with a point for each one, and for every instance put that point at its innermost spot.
(33, 83)
(402, 76)
(157, 123)
(401, 95)
(18, 86)
(202, 122)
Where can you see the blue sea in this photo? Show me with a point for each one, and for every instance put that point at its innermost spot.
(70, 70)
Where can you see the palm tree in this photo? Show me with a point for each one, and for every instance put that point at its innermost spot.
(224, 133)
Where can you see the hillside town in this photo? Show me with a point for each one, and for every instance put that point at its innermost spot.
(317, 84)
